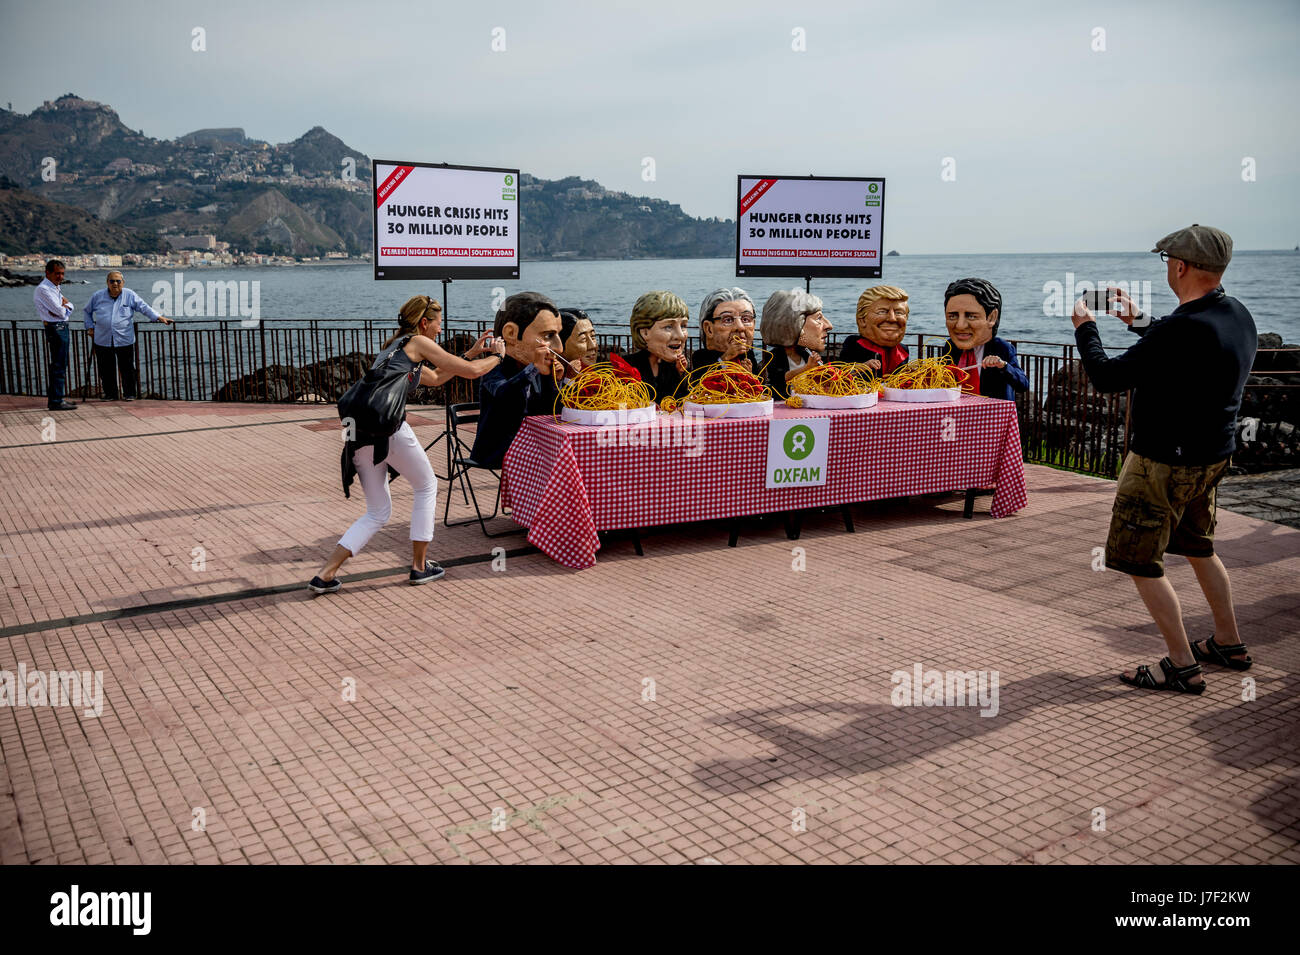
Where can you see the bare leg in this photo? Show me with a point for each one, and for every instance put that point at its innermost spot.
(418, 550)
(335, 562)
(1162, 603)
(1213, 578)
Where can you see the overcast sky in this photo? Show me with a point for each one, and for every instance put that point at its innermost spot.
(1056, 147)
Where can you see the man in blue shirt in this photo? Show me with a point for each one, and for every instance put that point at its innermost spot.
(110, 318)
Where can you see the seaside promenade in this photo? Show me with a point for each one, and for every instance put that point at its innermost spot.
(700, 704)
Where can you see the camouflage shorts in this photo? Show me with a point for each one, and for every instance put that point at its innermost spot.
(1160, 509)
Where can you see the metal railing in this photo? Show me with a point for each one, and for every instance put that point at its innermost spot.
(1063, 421)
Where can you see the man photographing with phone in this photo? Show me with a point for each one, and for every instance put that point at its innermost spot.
(1187, 374)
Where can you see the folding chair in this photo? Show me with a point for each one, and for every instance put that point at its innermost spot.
(463, 464)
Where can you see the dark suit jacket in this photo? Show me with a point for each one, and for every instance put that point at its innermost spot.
(997, 382)
(777, 368)
(507, 394)
(855, 348)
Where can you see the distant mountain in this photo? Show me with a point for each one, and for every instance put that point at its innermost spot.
(579, 218)
(231, 136)
(29, 222)
(270, 221)
(304, 198)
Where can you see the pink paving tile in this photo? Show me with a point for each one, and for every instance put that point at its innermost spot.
(773, 697)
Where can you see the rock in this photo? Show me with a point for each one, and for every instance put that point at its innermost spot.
(1270, 340)
(1069, 392)
(15, 279)
(278, 383)
(333, 376)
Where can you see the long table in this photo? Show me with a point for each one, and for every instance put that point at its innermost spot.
(566, 483)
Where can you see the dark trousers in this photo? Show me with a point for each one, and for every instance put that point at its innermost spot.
(123, 357)
(56, 337)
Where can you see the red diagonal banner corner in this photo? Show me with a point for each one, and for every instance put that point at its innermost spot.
(391, 182)
(754, 194)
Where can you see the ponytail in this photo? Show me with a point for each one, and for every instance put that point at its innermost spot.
(410, 315)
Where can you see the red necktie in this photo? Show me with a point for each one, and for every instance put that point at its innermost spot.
(967, 361)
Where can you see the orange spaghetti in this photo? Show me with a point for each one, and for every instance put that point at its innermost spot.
(835, 380)
(604, 387)
(925, 373)
(720, 383)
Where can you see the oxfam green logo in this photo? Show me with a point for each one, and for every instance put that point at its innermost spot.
(510, 180)
(799, 442)
(874, 187)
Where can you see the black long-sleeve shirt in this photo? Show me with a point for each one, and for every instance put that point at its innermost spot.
(1187, 373)
(665, 383)
(507, 394)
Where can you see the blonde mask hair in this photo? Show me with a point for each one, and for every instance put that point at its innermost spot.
(890, 293)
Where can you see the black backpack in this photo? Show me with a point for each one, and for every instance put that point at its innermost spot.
(377, 403)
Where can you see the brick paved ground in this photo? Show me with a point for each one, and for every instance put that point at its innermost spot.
(522, 693)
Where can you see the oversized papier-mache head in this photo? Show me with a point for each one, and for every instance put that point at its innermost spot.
(882, 315)
(727, 312)
(794, 317)
(658, 325)
(579, 336)
(972, 309)
(529, 323)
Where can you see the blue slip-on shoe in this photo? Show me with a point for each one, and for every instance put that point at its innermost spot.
(432, 571)
(319, 586)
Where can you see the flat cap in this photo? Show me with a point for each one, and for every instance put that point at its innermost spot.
(1202, 245)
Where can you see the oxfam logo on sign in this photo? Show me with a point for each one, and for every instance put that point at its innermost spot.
(510, 180)
(873, 187)
(799, 443)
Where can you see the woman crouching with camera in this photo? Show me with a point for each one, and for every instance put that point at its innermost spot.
(409, 358)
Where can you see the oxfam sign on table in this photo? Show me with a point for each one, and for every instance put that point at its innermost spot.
(445, 222)
(796, 452)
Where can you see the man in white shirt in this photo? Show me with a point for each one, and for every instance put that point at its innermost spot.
(53, 310)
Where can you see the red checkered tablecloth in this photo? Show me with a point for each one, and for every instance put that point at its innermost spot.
(566, 482)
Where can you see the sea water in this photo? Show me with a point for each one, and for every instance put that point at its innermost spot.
(1036, 290)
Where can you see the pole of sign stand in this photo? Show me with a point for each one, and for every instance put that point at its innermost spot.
(448, 434)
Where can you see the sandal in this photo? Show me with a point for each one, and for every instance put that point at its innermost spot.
(1220, 655)
(1175, 678)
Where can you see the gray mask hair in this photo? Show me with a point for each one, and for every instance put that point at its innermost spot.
(720, 295)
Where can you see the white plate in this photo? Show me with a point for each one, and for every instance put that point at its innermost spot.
(922, 394)
(608, 418)
(839, 401)
(737, 409)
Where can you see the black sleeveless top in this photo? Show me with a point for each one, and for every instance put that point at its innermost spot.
(400, 359)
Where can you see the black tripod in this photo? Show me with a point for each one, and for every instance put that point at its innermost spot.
(448, 431)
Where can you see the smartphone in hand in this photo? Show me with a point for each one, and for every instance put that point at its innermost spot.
(1100, 300)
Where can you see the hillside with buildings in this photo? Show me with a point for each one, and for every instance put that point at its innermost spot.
(220, 191)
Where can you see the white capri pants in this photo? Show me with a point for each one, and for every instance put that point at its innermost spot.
(406, 455)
